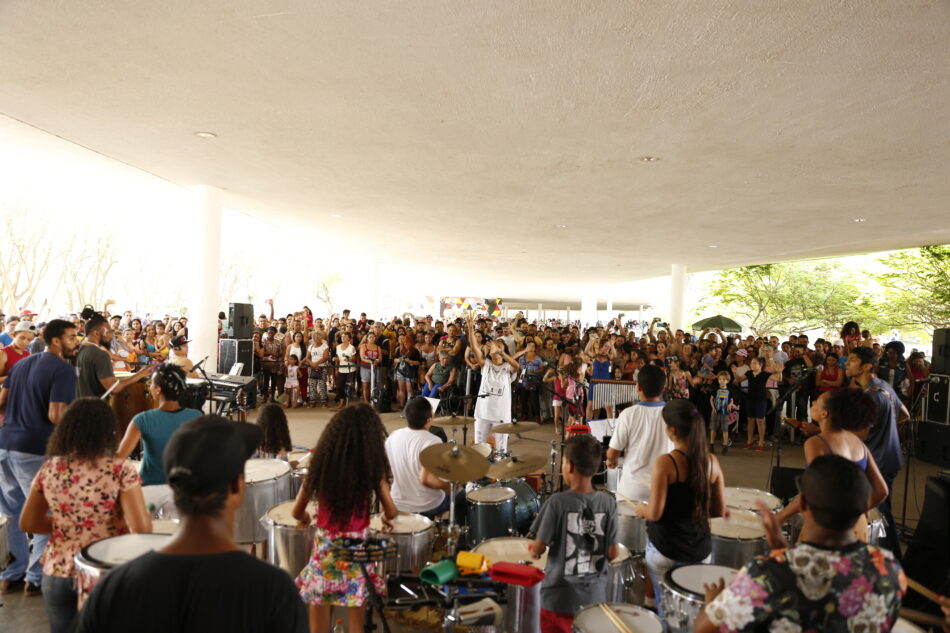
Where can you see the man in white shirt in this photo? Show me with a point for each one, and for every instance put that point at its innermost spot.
(415, 490)
(641, 434)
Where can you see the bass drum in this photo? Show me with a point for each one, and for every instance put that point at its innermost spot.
(527, 503)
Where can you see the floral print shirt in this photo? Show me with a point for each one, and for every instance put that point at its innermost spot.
(854, 589)
(83, 499)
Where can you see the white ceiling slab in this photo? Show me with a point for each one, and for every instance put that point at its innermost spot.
(459, 136)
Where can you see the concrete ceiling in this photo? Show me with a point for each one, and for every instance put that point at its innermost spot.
(460, 135)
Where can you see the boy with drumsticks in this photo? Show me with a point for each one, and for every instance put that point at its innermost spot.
(578, 529)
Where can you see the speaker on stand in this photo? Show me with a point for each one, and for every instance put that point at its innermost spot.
(240, 320)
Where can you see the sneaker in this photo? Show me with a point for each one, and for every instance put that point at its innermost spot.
(30, 590)
(9, 586)
(725, 449)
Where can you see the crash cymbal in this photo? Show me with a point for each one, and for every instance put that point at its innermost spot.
(516, 427)
(453, 420)
(514, 467)
(453, 462)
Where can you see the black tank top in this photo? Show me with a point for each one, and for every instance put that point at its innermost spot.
(676, 535)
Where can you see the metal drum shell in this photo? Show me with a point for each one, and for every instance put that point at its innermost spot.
(737, 550)
(646, 620)
(631, 529)
(260, 496)
(414, 549)
(682, 605)
(297, 477)
(89, 570)
(490, 519)
(288, 546)
(626, 578)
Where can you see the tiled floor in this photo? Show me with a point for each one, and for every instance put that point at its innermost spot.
(19, 614)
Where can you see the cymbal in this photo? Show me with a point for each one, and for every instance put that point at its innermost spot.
(453, 462)
(514, 467)
(516, 427)
(453, 420)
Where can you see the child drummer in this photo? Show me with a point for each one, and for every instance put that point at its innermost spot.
(578, 529)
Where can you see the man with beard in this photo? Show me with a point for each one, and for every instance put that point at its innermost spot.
(32, 399)
(94, 370)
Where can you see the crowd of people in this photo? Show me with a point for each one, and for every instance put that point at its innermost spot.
(66, 480)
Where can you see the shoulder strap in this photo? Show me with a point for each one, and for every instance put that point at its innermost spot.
(827, 445)
(675, 465)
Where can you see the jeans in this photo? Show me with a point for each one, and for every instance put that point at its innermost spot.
(17, 471)
(59, 596)
(891, 538)
(432, 392)
(657, 566)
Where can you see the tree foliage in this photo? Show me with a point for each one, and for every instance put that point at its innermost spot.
(916, 288)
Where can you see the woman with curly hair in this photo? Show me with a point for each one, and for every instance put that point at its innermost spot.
(154, 427)
(348, 473)
(276, 440)
(82, 493)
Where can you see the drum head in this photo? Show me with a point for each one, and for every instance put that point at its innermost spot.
(691, 578)
(491, 494)
(302, 458)
(281, 514)
(592, 619)
(115, 550)
(905, 626)
(510, 549)
(403, 523)
(745, 498)
(264, 469)
(741, 524)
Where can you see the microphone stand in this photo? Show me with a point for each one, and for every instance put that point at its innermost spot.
(910, 447)
(207, 379)
(777, 432)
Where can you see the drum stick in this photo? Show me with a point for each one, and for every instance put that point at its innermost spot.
(922, 618)
(630, 501)
(927, 593)
(614, 618)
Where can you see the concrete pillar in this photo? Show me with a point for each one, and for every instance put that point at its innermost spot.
(204, 288)
(540, 313)
(678, 297)
(588, 311)
(610, 309)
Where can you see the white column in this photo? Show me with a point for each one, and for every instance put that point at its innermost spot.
(610, 309)
(204, 288)
(540, 318)
(588, 311)
(678, 297)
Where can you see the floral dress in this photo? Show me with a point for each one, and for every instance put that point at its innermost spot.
(83, 499)
(854, 589)
(327, 580)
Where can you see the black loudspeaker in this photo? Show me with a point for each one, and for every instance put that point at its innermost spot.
(240, 320)
(940, 363)
(783, 482)
(933, 443)
(927, 559)
(232, 350)
(937, 403)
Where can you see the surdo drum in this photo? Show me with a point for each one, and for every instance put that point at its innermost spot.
(738, 539)
(288, 546)
(414, 536)
(97, 559)
(683, 594)
(745, 499)
(631, 529)
(523, 611)
(266, 484)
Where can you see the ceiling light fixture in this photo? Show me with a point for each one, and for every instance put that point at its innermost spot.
(649, 159)
(560, 226)
(206, 135)
(859, 220)
(714, 246)
(336, 215)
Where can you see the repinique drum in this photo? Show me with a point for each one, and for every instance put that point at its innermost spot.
(745, 498)
(625, 578)
(4, 541)
(266, 484)
(523, 611)
(738, 539)
(683, 594)
(288, 546)
(97, 559)
(491, 513)
(592, 619)
(527, 503)
(414, 536)
(631, 529)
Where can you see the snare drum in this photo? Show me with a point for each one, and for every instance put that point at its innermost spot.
(683, 594)
(491, 512)
(288, 546)
(745, 498)
(626, 581)
(414, 536)
(631, 529)
(738, 539)
(97, 559)
(266, 484)
(592, 619)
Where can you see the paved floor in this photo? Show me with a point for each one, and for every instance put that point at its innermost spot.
(19, 614)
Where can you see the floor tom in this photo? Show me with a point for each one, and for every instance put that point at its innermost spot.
(527, 503)
(491, 512)
(683, 595)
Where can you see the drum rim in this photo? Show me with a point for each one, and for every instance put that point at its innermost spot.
(614, 605)
(85, 557)
(677, 588)
(755, 509)
(286, 473)
(428, 528)
(513, 496)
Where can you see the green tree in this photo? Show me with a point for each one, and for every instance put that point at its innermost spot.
(788, 297)
(916, 288)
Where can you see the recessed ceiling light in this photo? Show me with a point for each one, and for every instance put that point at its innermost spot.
(560, 226)
(714, 246)
(206, 135)
(649, 159)
(859, 220)
(336, 215)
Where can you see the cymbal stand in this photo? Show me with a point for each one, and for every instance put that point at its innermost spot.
(451, 592)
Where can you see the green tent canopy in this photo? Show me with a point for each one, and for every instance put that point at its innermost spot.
(723, 323)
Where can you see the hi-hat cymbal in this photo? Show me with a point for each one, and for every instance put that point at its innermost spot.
(516, 466)
(516, 427)
(453, 420)
(453, 462)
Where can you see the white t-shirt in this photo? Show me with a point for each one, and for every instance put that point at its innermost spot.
(641, 433)
(316, 353)
(496, 386)
(402, 448)
(347, 356)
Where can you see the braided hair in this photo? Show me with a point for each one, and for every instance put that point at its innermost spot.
(170, 379)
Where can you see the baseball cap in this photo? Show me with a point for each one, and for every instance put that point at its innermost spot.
(179, 340)
(206, 454)
(742, 352)
(25, 326)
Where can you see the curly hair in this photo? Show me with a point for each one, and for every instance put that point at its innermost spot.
(850, 409)
(171, 380)
(349, 463)
(273, 422)
(88, 431)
